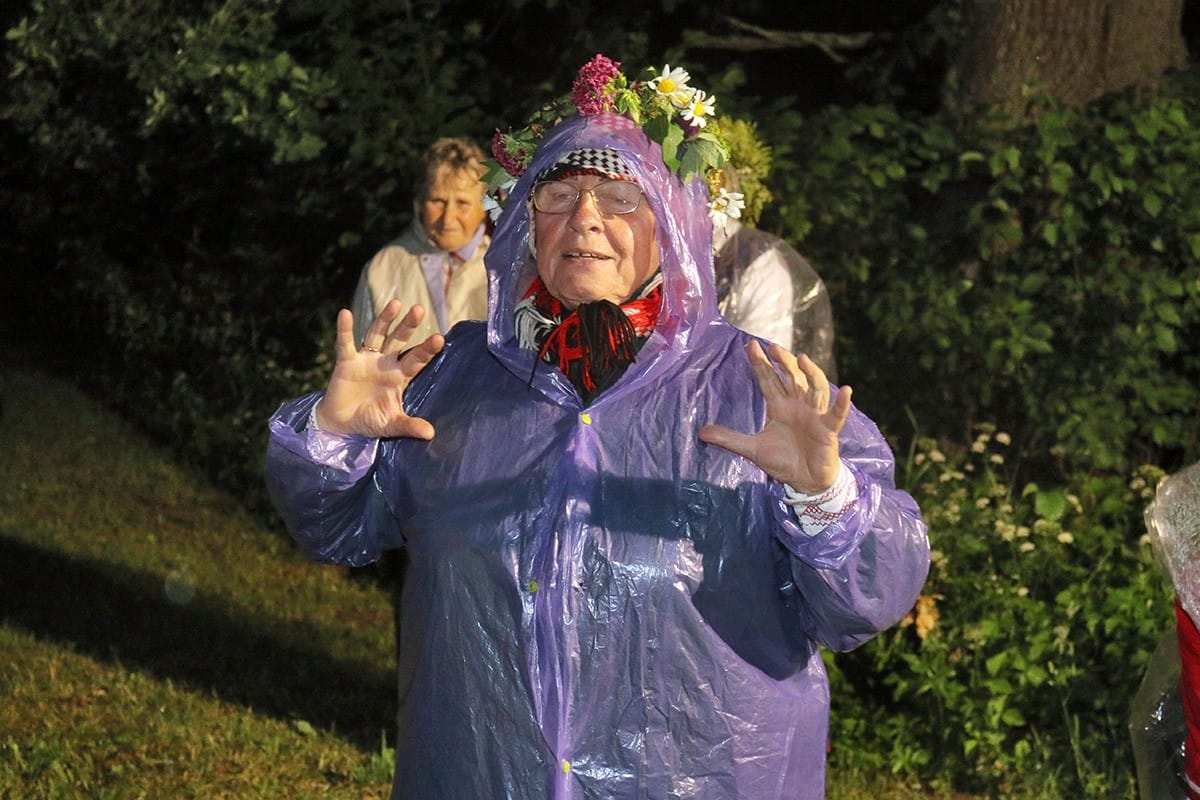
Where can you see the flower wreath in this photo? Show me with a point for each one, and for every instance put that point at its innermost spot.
(679, 117)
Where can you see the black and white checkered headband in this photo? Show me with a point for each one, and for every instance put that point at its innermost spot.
(584, 161)
(589, 161)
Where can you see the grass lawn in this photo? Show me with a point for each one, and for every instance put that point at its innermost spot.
(159, 642)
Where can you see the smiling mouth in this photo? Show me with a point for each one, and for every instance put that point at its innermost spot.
(585, 255)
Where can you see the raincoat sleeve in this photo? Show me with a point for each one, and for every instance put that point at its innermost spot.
(864, 571)
(323, 485)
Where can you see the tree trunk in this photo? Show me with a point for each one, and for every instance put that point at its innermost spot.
(1072, 50)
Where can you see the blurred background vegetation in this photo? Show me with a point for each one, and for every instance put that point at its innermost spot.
(1001, 197)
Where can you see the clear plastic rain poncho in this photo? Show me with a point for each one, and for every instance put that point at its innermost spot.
(599, 605)
(1173, 521)
(750, 263)
(1157, 722)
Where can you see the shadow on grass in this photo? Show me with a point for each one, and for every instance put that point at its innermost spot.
(123, 616)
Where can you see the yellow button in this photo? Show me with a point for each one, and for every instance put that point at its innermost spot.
(585, 418)
(532, 586)
(566, 767)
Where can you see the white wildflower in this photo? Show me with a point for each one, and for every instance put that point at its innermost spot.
(672, 84)
(699, 109)
(726, 206)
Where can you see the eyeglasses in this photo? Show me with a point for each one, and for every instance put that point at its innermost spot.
(610, 197)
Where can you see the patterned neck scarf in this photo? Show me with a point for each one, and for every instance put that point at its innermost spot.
(594, 344)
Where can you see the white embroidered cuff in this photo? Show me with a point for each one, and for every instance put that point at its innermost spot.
(816, 512)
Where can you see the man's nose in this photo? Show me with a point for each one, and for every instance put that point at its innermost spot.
(586, 212)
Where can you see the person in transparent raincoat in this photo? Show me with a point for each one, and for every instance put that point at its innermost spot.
(617, 596)
(765, 287)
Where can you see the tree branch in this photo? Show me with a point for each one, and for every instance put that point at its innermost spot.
(766, 39)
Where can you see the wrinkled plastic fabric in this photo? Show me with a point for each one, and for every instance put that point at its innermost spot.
(753, 268)
(597, 604)
(1157, 726)
(1159, 717)
(1173, 521)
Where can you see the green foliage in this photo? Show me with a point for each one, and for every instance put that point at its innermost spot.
(1043, 280)
(379, 768)
(207, 374)
(753, 158)
(353, 91)
(1044, 277)
(1016, 668)
(202, 183)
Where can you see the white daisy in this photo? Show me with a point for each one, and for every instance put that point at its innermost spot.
(673, 84)
(699, 109)
(725, 206)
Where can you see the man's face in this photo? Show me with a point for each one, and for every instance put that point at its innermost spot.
(452, 208)
(585, 255)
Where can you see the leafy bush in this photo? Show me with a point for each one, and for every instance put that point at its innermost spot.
(1042, 282)
(1016, 669)
(1044, 278)
(199, 187)
(199, 357)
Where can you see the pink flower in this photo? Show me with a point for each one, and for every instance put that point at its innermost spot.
(589, 92)
(509, 154)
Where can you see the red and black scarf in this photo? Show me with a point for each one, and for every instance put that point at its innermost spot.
(593, 344)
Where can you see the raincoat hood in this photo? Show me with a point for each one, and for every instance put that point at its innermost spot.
(682, 225)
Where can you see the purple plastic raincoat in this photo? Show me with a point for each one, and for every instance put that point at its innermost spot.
(599, 605)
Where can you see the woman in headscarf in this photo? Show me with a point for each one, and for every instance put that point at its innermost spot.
(630, 529)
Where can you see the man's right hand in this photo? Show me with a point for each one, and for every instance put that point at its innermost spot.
(365, 395)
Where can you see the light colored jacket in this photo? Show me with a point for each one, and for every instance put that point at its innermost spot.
(396, 271)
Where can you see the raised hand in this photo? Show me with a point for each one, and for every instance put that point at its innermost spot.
(365, 395)
(798, 445)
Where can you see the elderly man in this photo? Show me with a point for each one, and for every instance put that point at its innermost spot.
(438, 263)
(631, 529)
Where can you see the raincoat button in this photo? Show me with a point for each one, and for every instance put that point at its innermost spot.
(585, 418)
(566, 767)
(532, 586)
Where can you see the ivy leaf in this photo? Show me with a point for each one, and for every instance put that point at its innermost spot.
(1050, 505)
(1050, 233)
(700, 154)
(1153, 204)
(672, 137)
(1013, 718)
